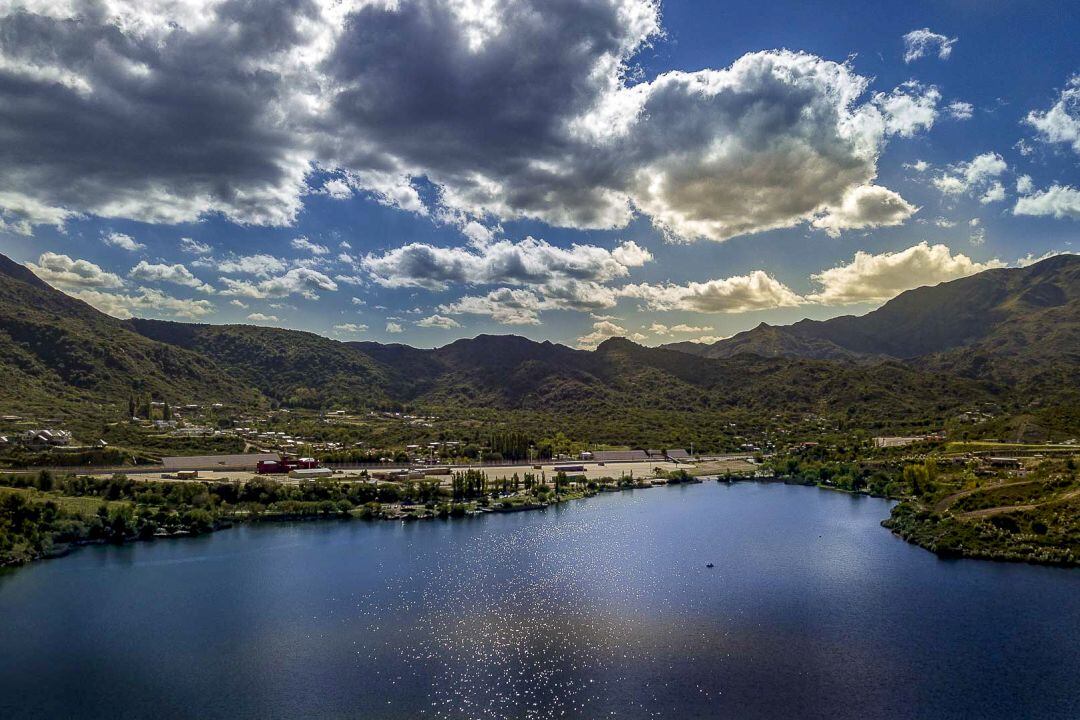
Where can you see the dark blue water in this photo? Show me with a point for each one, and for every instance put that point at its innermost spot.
(602, 608)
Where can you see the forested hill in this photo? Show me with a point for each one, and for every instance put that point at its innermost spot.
(974, 312)
(62, 354)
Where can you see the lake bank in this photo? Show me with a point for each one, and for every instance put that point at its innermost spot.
(578, 610)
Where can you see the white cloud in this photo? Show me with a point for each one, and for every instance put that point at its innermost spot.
(630, 254)
(505, 305)
(918, 166)
(603, 330)
(381, 97)
(438, 321)
(120, 240)
(864, 207)
(298, 281)
(194, 247)
(909, 108)
(148, 302)
(977, 175)
(709, 339)
(1058, 201)
(63, 272)
(260, 317)
(741, 293)
(394, 328)
(923, 42)
(529, 262)
(20, 212)
(337, 189)
(688, 329)
(994, 193)
(960, 110)
(259, 265)
(177, 274)
(351, 328)
(1024, 185)
(1061, 123)
(875, 278)
(239, 304)
(978, 237)
(305, 245)
(1031, 258)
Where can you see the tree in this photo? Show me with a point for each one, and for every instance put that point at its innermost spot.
(166, 411)
(45, 481)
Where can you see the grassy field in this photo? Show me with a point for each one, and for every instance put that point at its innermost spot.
(84, 506)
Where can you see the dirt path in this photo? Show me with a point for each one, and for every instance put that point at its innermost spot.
(946, 502)
(990, 512)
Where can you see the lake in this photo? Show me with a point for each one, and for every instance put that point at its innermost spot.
(598, 608)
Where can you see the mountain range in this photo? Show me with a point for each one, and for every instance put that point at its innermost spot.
(1009, 338)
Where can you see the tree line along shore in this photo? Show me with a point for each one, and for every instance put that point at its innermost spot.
(950, 501)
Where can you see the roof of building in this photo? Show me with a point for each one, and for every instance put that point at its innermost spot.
(678, 453)
(311, 472)
(619, 455)
(217, 462)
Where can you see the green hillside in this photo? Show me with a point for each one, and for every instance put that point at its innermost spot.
(61, 357)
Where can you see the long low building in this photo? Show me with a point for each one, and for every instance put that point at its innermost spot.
(247, 461)
(620, 455)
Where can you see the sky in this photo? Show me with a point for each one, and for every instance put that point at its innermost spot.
(419, 171)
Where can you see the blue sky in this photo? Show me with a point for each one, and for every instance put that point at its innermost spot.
(567, 170)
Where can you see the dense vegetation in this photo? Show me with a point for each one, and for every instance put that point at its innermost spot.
(1035, 518)
(62, 359)
(43, 515)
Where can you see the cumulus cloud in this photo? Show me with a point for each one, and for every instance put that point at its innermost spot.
(259, 265)
(603, 330)
(260, 317)
(305, 245)
(438, 321)
(351, 328)
(741, 293)
(1024, 185)
(506, 305)
(909, 108)
(528, 109)
(1031, 258)
(120, 240)
(19, 212)
(923, 42)
(109, 109)
(298, 281)
(978, 175)
(864, 207)
(1058, 201)
(394, 328)
(64, 272)
(146, 302)
(994, 193)
(875, 278)
(680, 329)
(1061, 123)
(194, 247)
(960, 110)
(529, 262)
(176, 274)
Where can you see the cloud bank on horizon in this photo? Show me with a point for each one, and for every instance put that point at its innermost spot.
(492, 124)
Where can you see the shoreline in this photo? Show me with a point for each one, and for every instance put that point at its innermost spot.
(414, 512)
